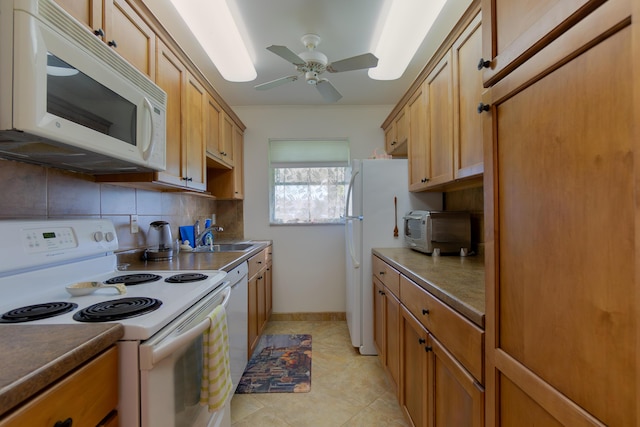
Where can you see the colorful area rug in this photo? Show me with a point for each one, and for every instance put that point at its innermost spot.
(279, 364)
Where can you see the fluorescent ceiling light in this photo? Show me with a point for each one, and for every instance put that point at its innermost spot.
(405, 26)
(211, 23)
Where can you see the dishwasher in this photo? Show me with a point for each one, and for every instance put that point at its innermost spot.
(238, 321)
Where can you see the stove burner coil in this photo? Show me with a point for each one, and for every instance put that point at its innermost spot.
(133, 279)
(118, 309)
(37, 312)
(186, 278)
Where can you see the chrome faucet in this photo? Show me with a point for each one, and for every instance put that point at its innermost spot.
(200, 235)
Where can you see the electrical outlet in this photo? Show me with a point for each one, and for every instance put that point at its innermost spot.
(133, 224)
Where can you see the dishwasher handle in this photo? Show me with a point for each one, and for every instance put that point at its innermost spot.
(153, 354)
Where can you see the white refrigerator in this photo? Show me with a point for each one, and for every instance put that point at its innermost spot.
(370, 218)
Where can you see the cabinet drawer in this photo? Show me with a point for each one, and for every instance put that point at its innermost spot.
(462, 338)
(257, 263)
(86, 396)
(387, 275)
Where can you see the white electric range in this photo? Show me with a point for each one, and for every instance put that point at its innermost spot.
(164, 313)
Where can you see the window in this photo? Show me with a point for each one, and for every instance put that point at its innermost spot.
(309, 180)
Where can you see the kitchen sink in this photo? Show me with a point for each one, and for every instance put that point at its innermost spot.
(226, 247)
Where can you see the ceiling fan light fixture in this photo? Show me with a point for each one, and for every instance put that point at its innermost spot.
(211, 22)
(401, 34)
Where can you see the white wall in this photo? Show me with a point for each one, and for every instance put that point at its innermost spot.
(308, 261)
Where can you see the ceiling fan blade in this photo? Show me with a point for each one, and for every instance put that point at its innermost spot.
(286, 54)
(328, 92)
(276, 82)
(366, 60)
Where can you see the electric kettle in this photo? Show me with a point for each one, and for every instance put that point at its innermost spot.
(159, 242)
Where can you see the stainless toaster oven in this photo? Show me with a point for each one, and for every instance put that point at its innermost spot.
(450, 232)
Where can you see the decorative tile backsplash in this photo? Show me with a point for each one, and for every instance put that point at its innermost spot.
(30, 191)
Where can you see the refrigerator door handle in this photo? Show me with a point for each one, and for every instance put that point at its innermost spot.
(346, 206)
(352, 252)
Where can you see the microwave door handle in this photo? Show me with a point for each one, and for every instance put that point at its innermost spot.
(147, 153)
(172, 344)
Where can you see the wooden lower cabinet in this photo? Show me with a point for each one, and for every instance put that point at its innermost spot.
(386, 330)
(458, 400)
(260, 295)
(87, 397)
(432, 355)
(414, 370)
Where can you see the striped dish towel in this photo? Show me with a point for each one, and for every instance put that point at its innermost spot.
(216, 371)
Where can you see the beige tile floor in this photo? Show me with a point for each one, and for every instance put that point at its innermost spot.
(347, 389)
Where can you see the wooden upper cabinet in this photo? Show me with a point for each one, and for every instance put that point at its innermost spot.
(213, 117)
(419, 164)
(119, 25)
(467, 93)
(439, 122)
(195, 166)
(88, 12)
(227, 135)
(514, 30)
(396, 134)
(134, 39)
(172, 78)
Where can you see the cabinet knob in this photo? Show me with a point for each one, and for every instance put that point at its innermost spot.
(428, 349)
(425, 311)
(393, 143)
(66, 423)
(112, 43)
(381, 273)
(483, 64)
(423, 180)
(421, 341)
(99, 32)
(483, 107)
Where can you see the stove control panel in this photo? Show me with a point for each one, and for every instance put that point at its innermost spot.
(49, 239)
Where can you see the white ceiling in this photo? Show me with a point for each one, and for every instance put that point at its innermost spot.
(346, 28)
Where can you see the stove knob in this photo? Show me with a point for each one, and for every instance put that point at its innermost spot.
(98, 236)
(109, 236)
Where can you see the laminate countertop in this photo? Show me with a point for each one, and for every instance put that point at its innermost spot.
(456, 281)
(36, 356)
(224, 261)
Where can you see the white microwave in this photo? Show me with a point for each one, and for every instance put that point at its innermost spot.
(68, 100)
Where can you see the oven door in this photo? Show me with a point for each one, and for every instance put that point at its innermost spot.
(171, 365)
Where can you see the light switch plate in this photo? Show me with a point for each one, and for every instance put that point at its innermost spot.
(133, 224)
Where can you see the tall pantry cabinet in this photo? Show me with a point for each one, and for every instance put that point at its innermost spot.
(560, 189)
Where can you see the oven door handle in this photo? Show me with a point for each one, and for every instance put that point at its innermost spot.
(155, 354)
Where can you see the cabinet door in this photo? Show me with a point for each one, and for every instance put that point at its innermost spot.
(253, 314)
(563, 265)
(418, 142)
(134, 40)
(261, 300)
(467, 92)
(195, 166)
(88, 12)
(227, 126)
(392, 337)
(458, 400)
(213, 118)
(268, 285)
(514, 30)
(379, 319)
(171, 76)
(440, 122)
(389, 138)
(238, 166)
(413, 370)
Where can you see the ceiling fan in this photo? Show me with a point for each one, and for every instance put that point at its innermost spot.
(313, 63)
